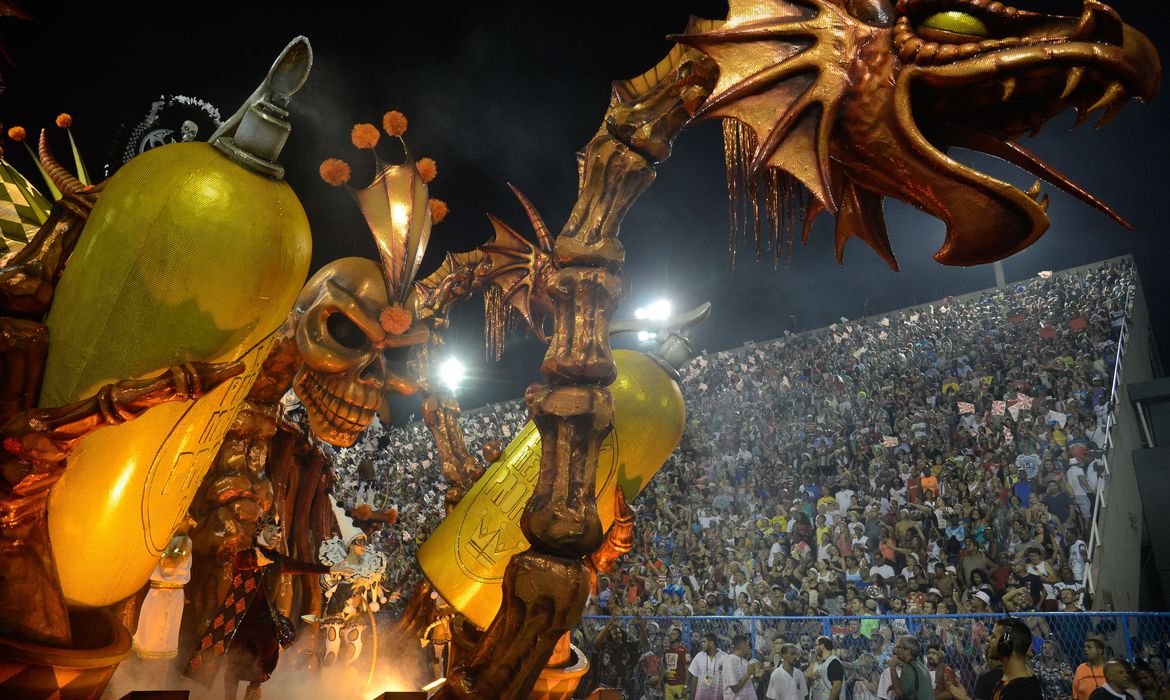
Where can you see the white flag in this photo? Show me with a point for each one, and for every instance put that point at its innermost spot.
(885, 322)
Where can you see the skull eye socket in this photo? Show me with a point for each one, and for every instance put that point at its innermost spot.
(344, 331)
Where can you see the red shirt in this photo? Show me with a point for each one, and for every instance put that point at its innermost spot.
(676, 659)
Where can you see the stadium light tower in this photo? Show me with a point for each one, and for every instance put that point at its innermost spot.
(451, 373)
(658, 310)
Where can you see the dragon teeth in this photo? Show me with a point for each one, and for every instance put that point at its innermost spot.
(1113, 93)
(1009, 87)
(1073, 80)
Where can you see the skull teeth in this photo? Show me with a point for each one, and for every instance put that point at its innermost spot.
(342, 419)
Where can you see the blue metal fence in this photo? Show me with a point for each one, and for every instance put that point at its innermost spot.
(864, 645)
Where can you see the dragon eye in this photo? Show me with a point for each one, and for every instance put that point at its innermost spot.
(957, 23)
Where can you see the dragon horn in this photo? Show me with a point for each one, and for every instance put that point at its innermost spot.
(542, 234)
(62, 178)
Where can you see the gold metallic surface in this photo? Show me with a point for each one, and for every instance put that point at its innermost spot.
(187, 256)
(396, 208)
(465, 557)
(859, 100)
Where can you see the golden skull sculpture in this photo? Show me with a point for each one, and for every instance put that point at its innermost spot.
(354, 342)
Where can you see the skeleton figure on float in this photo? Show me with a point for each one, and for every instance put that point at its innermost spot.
(353, 589)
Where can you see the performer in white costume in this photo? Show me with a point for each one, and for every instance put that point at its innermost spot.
(157, 636)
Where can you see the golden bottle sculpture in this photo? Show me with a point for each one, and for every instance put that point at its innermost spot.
(194, 252)
(465, 557)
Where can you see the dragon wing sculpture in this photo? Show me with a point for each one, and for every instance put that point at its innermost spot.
(511, 272)
(858, 100)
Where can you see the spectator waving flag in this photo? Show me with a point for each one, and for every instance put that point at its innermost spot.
(1024, 402)
(1014, 410)
(890, 441)
(966, 407)
(998, 408)
(1007, 435)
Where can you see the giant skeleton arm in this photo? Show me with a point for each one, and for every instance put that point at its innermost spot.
(512, 274)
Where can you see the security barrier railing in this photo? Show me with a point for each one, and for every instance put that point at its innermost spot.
(1088, 578)
(865, 644)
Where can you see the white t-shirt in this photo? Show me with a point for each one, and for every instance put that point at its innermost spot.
(787, 686)
(885, 571)
(1073, 475)
(734, 669)
(708, 671)
(886, 686)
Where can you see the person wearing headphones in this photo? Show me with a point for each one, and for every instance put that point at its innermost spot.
(1010, 641)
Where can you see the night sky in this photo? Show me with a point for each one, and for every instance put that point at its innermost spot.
(508, 92)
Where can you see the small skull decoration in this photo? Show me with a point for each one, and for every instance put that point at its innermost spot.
(354, 343)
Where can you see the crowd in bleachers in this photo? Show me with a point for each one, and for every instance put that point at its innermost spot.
(942, 459)
(938, 460)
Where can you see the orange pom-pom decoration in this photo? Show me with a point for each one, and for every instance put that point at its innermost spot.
(394, 122)
(392, 516)
(64, 120)
(395, 320)
(364, 135)
(439, 211)
(335, 171)
(17, 133)
(427, 169)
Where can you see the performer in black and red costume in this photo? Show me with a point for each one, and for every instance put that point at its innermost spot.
(248, 630)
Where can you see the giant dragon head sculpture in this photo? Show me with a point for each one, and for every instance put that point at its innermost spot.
(862, 99)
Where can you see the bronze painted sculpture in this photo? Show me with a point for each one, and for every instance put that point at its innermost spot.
(840, 97)
(853, 100)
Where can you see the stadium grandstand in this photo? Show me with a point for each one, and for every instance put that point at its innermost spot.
(919, 472)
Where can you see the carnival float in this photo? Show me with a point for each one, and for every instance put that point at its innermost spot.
(166, 481)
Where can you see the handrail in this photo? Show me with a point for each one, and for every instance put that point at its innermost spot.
(1088, 579)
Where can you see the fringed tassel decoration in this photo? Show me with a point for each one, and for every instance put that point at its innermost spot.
(497, 322)
(785, 201)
